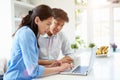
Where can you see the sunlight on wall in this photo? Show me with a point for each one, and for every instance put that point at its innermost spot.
(99, 2)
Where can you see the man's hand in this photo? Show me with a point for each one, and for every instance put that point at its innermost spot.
(55, 63)
(66, 59)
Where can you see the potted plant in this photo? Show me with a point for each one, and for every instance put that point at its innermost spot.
(114, 46)
(91, 45)
(80, 42)
(74, 46)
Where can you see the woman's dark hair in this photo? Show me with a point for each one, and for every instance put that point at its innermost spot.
(42, 11)
(60, 14)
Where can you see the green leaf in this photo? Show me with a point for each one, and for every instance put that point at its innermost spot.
(91, 45)
(74, 46)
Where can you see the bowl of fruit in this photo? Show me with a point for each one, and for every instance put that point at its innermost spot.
(102, 51)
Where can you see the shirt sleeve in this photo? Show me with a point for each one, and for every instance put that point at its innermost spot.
(66, 48)
(28, 45)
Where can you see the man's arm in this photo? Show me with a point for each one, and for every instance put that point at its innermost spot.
(66, 50)
(66, 59)
(45, 62)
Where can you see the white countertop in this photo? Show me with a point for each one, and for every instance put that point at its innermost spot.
(105, 68)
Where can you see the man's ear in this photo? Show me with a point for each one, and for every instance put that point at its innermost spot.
(37, 19)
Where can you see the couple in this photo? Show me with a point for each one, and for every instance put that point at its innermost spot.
(28, 44)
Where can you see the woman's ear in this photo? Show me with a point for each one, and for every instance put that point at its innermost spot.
(37, 19)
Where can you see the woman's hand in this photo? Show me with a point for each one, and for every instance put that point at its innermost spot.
(65, 66)
(57, 67)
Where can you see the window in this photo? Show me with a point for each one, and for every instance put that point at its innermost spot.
(98, 22)
(81, 20)
(101, 26)
(117, 25)
(81, 29)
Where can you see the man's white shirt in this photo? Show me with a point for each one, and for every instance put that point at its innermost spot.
(51, 46)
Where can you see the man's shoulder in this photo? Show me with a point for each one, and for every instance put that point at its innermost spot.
(61, 34)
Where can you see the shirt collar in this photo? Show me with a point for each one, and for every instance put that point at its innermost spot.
(47, 36)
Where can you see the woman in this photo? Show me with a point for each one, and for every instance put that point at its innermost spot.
(23, 64)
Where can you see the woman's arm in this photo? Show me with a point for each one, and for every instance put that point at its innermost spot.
(58, 69)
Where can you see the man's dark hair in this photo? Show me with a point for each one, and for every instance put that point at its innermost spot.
(60, 14)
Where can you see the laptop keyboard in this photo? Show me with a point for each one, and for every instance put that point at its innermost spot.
(81, 69)
(68, 70)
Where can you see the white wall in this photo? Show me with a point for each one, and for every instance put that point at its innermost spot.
(5, 27)
(69, 28)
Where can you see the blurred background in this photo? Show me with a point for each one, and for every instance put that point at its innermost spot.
(91, 21)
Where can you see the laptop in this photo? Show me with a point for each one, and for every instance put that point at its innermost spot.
(83, 70)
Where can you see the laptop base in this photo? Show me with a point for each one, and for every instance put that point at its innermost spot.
(80, 70)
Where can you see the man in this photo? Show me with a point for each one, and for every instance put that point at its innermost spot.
(55, 42)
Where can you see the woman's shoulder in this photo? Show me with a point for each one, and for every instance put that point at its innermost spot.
(25, 30)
